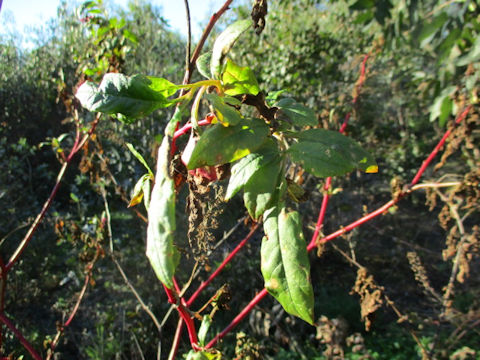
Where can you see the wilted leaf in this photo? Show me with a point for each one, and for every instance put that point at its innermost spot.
(239, 80)
(326, 153)
(223, 144)
(137, 194)
(224, 43)
(285, 264)
(161, 251)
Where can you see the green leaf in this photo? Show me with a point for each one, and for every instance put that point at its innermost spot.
(204, 327)
(131, 97)
(284, 263)
(246, 167)
(161, 251)
(130, 36)
(297, 113)
(139, 158)
(472, 56)
(223, 144)
(260, 190)
(239, 80)
(226, 114)
(162, 86)
(203, 64)
(326, 153)
(224, 43)
(137, 194)
(440, 107)
(430, 29)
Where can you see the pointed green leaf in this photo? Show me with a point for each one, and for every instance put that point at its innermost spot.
(246, 167)
(139, 158)
(285, 264)
(162, 86)
(203, 64)
(161, 251)
(223, 144)
(227, 114)
(131, 97)
(297, 113)
(326, 153)
(224, 43)
(204, 327)
(259, 191)
(239, 80)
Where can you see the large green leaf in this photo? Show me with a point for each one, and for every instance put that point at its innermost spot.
(161, 251)
(224, 43)
(246, 167)
(261, 188)
(326, 153)
(285, 264)
(227, 114)
(239, 80)
(223, 144)
(131, 97)
(298, 114)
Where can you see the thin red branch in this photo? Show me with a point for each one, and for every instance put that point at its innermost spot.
(328, 182)
(230, 256)
(187, 127)
(20, 337)
(33, 228)
(238, 318)
(427, 162)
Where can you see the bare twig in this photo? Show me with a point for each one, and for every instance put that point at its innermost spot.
(189, 36)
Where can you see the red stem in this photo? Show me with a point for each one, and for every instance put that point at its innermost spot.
(187, 127)
(230, 256)
(176, 339)
(20, 337)
(238, 318)
(439, 145)
(26, 240)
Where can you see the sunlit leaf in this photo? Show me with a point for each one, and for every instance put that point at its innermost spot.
(326, 153)
(239, 80)
(284, 263)
(224, 43)
(223, 144)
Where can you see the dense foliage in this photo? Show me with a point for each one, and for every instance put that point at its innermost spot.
(408, 276)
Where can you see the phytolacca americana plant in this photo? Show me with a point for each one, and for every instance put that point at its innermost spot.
(259, 150)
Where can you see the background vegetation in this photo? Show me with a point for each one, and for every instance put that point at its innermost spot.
(400, 287)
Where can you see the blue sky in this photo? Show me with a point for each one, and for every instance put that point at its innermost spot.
(17, 15)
